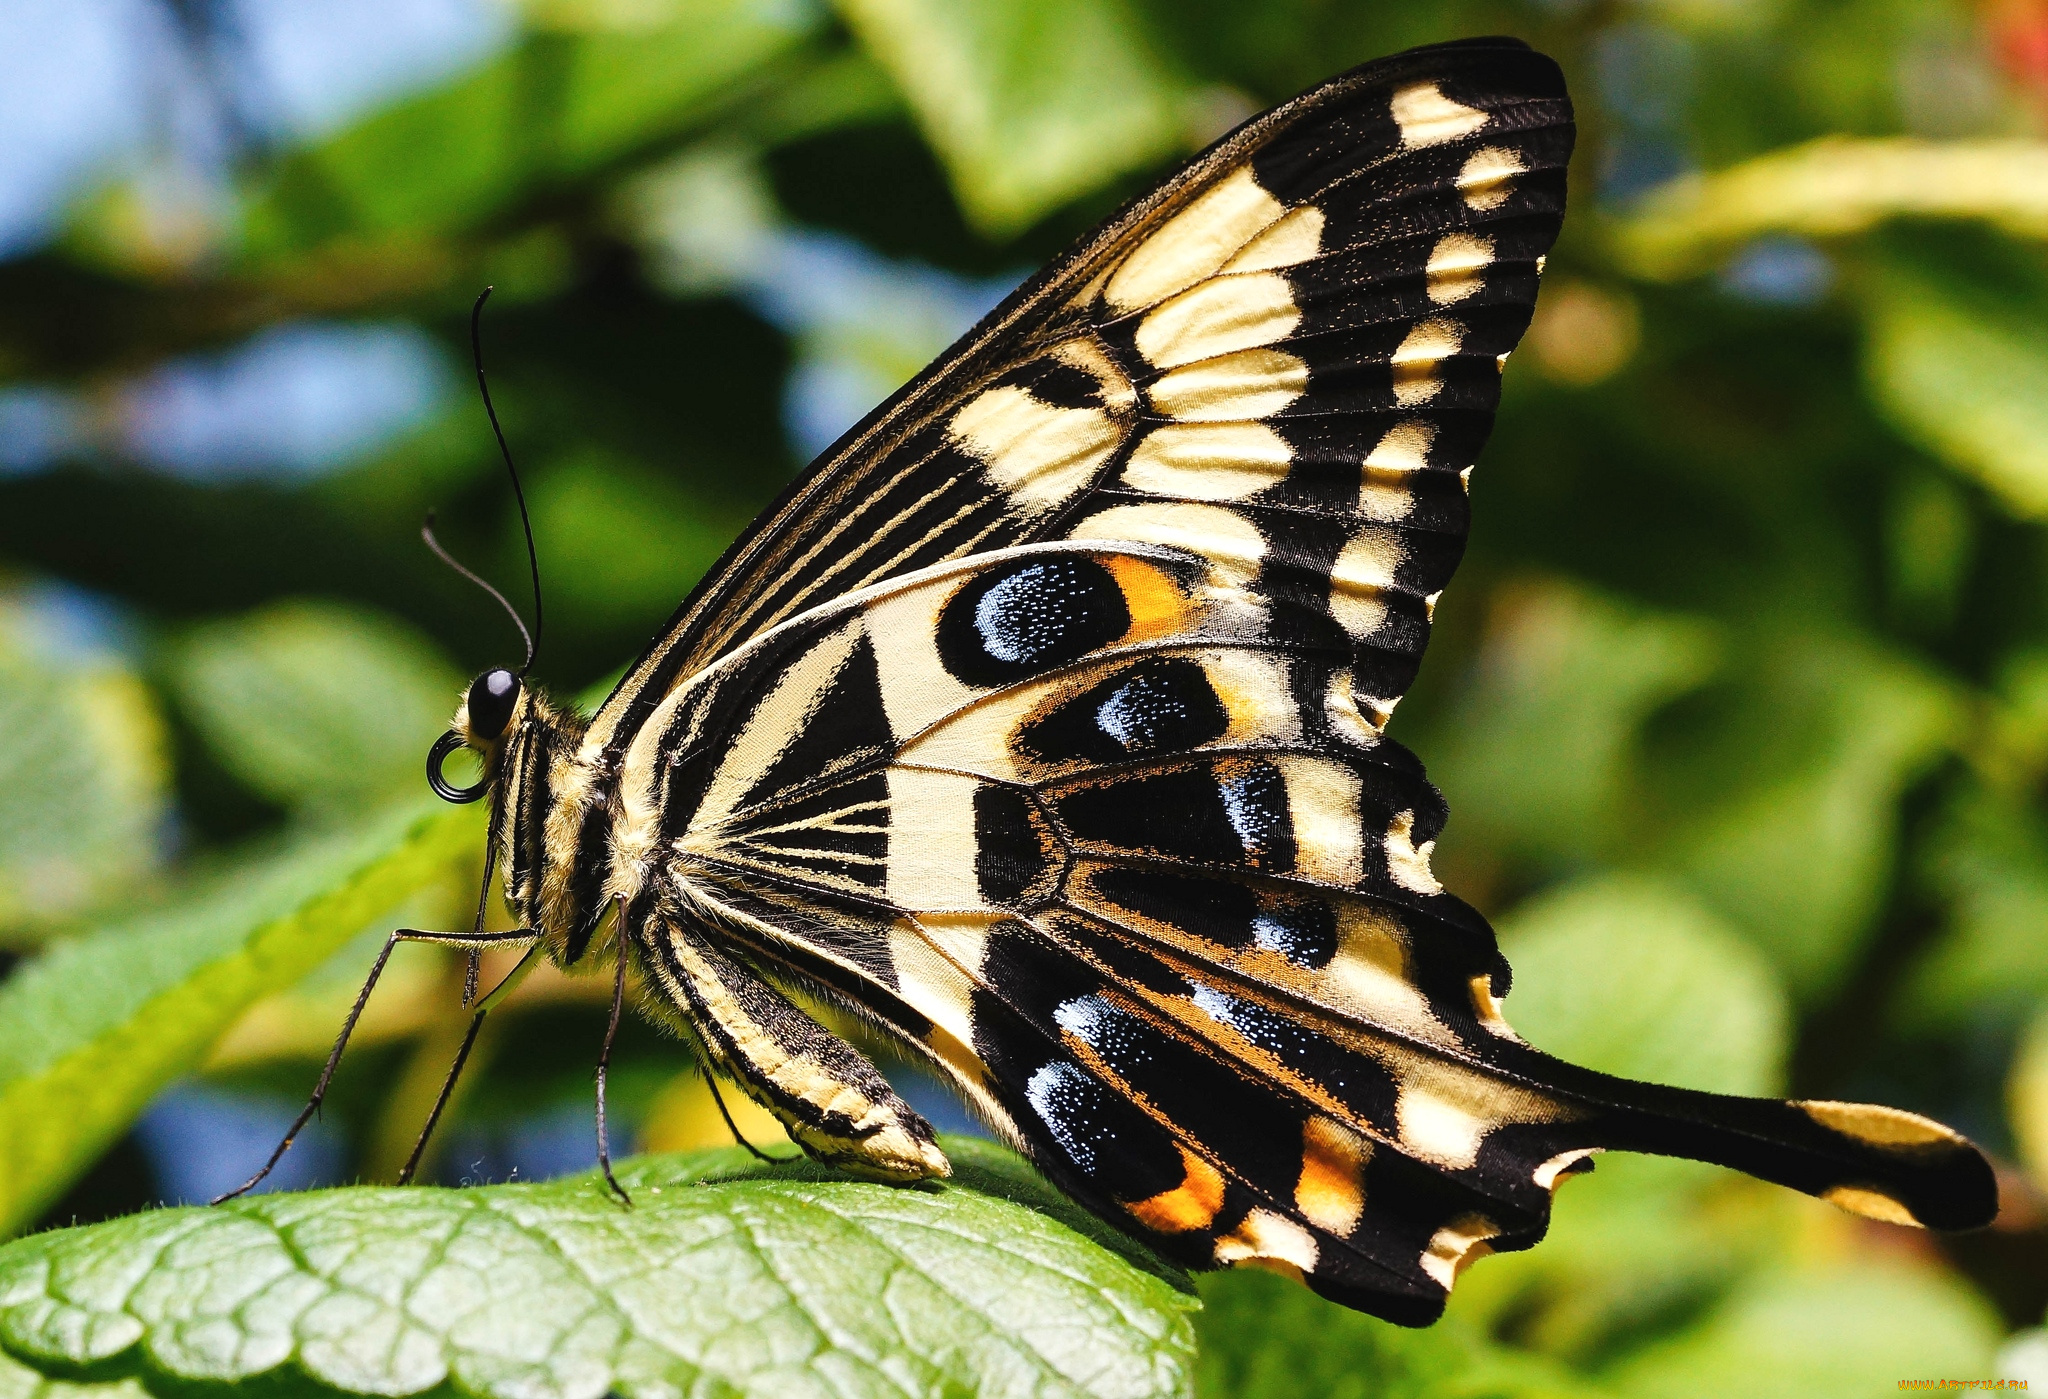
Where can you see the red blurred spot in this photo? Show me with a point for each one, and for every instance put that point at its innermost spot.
(2018, 32)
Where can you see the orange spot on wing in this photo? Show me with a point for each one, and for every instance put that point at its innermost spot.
(1331, 1192)
(1190, 1205)
(1157, 605)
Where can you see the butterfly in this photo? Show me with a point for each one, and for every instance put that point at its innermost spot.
(1041, 723)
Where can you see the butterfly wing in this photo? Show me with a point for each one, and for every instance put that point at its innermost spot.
(1106, 839)
(1297, 336)
(1042, 722)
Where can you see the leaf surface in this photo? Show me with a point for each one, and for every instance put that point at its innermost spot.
(1835, 187)
(83, 776)
(315, 704)
(725, 1277)
(1030, 103)
(1967, 381)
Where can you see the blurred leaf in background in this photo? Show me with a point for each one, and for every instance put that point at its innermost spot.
(1739, 700)
(313, 704)
(84, 771)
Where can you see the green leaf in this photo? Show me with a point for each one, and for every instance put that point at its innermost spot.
(560, 104)
(2027, 1098)
(1988, 859)
(1821, 1333)
(1264, 1337)
(1834, 187)
(1632, 976)
(93, 1028)
(624, 543)
(1539, 755)
(725, 1277)
(1967, 378)
(18, 1381)
(313, 703)
(83, 778)
(1030, 103)
(1792, 837)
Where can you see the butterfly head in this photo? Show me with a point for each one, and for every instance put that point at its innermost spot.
(490, 709)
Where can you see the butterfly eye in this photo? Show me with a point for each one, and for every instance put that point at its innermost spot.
(491, 699)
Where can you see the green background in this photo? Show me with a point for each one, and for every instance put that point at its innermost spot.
(1740, 699)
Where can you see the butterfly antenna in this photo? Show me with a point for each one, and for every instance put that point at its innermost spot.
(427, 533)
(476, 349)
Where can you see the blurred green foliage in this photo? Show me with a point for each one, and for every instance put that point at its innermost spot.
(1740, 700)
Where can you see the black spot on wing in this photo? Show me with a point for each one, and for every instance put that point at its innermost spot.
(1012, 848)
(1233, 812)
(1051, 381)
(1229, 914)
(1160, 705)
(1096, 1142)
(1020, 619)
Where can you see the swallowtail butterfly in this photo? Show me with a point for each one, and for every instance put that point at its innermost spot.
(1040, 722)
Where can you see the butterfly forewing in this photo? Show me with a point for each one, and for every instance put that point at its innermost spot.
(1041, 721)
(1329, 287)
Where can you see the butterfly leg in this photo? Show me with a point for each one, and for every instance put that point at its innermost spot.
(474, 942)
(476, 1023)
(604, 1061)
(834, 1103)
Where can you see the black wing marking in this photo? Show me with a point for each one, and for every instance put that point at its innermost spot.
(1130, 867)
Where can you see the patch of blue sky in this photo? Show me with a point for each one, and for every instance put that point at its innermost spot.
(71, 626)
(202, 1141)
(94, 89)
(316, 64)
(38, 427)
(293, 401)
(73, 95)
(862, 323)
(1645, 76)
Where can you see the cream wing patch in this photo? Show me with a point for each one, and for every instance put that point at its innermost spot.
(917, 689)
(1293, 240)
(1037, 451)
(1208, 461)
(1488, 178)
(1322, 798)
(1404, 447)
(1428, 118)
(932, 848)
(1457, 266)
(1369, 977)
(1364, 572)
(1456, 1246)
(1266, 1239)
(1416, 359)
(786, 710)
(1249, 384)
(1231, 543)
(1408, 862)
(1194, 243)
(1236, 312)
